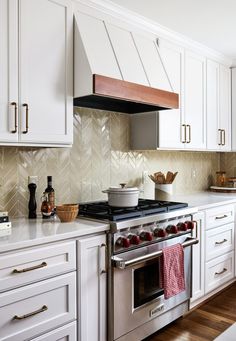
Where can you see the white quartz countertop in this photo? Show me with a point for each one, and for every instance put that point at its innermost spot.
(205, 200)
(25, 232)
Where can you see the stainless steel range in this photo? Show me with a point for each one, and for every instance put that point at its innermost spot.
(136, 304)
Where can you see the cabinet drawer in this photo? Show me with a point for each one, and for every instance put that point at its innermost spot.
(219, 271)
(219, 216)
(32, 265)
(65, 333)
(219, 241)
(35, 309)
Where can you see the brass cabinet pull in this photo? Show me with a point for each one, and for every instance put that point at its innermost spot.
(22, 317)
(220, 131)
(42, 265)
(15, 117)
(102, 271)
(221, 272)
(26, 118)
(189, 133)
(221, 242)
(184, 126)
(223, 137)
(222, 216)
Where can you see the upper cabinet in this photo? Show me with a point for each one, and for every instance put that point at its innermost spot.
(218, 107)
(36, 97)
(233, 109)
(194, 124)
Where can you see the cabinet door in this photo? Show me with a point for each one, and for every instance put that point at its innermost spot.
(212, 102)
(8, 70)
(225, 107)
(127, 55)
(92, 288)
(170, 121)
(198, 264)
(195, 112)
(45, 68)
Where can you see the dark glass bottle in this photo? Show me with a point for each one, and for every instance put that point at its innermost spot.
(51, 194)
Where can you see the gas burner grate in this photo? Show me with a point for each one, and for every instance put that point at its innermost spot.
(101, 210)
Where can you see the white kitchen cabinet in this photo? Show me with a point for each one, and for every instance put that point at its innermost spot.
(198, 259)
(225, 108)
(233, 71)
(218, 107)
(194, 124)
(35, 309)
(92, 288)
(219, 246)
(37, 107)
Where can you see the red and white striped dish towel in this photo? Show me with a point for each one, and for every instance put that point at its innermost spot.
(172, 270)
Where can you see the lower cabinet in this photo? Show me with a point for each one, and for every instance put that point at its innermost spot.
(213, 258)
(92, 288)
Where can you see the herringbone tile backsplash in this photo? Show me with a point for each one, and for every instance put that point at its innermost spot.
(100, 157)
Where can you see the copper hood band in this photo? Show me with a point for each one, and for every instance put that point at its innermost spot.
(121, 96)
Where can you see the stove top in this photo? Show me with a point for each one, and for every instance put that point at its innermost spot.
(101, 210)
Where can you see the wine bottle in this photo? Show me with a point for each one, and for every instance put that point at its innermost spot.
(51, 194)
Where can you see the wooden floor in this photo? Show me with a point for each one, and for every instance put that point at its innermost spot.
(204, 323)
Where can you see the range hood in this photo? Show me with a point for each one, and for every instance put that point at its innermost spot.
(116, 69)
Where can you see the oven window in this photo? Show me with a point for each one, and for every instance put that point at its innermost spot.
(147, 284)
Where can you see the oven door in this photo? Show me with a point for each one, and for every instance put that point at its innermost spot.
(137, 291)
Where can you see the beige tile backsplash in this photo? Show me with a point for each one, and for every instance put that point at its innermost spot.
(100, 157)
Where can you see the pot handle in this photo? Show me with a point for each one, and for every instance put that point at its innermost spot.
(123, 185)
(105, 191)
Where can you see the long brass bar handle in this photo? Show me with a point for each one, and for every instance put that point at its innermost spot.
(220, 142)
(221, 217)
(184, 126)
(223, 137)
(26, 118)
(221, 272)
(42, 265)
(15, 117)
(221, 242)
(189, 133)
(22, 317)
(102, 271)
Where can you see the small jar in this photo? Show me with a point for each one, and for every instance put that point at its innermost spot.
(220, 178)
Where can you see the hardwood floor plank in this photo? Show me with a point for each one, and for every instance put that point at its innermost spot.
(203, 324)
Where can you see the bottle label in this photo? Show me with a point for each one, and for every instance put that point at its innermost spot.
(51, 199)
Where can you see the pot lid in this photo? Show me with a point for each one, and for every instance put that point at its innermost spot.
(122, 189)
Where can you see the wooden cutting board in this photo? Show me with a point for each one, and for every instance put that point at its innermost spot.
(223, 189)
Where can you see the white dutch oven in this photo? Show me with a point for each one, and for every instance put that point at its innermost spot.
(122, 196)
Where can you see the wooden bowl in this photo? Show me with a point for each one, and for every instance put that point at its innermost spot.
(67, 216)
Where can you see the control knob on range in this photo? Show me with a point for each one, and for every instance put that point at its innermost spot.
(182, 226)
(146, 235)
(159, 232)
(172, 229)
(190, 224)
(134, 239)
(123, 242)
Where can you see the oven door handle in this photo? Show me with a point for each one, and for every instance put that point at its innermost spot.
(122, 264)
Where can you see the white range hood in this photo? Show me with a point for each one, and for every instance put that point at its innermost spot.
(118, 70)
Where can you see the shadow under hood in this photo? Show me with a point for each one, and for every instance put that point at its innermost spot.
(96, 64)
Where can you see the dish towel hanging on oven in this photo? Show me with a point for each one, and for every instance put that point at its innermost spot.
(172, 270)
